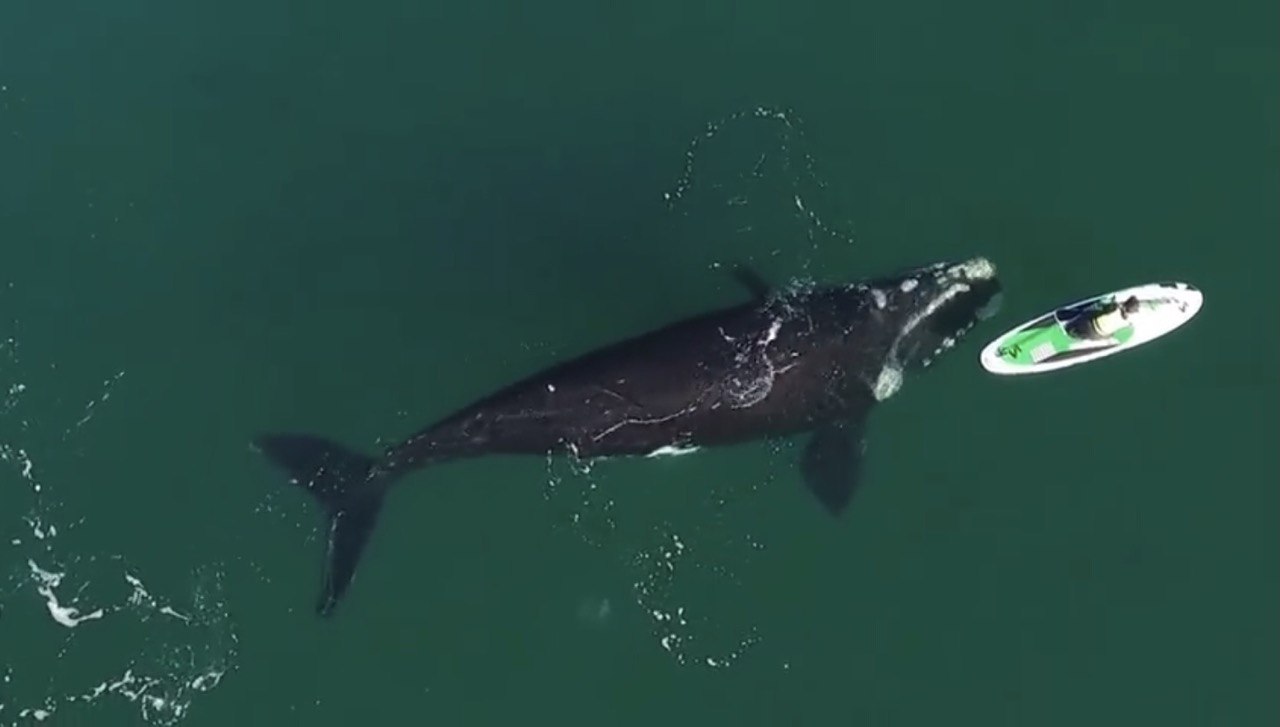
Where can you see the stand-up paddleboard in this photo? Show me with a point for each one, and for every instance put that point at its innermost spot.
(1048, 342)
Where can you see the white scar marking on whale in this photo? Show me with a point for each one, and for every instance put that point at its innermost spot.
(672, 450)
(656, 420)
(772, 334)
(752, 380)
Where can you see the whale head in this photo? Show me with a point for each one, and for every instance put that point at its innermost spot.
(928, 310)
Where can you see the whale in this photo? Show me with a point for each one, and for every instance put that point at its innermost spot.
(811, 360)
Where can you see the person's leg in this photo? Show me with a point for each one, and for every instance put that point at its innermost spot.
(1081, 327)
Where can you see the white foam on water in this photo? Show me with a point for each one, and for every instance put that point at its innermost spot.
(163, 671)
(674, 627)
(89, 408)
(591, 511)
(692, 635)
(740, 187)
(143, 598)
(48, 582)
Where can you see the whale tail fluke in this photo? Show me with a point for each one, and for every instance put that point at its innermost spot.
(346, 483)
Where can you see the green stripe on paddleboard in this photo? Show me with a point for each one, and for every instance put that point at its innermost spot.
(1023, 349)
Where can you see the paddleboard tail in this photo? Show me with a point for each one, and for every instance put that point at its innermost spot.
(351, 492)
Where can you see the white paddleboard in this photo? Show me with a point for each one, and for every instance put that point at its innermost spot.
(1044, 343)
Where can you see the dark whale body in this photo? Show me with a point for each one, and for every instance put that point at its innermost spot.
(809, 360)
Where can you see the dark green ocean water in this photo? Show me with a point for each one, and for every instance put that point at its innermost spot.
(226, 218)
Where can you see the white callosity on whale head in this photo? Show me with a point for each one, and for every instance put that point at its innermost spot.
(950, 282)
(978, 268)
(887, 383)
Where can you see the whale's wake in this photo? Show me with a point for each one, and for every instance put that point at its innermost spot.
(84, 636)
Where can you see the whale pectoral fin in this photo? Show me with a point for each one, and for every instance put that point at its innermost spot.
(752, 281)
(832, 463)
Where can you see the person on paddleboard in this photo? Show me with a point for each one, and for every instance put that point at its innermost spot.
(1105, 321)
